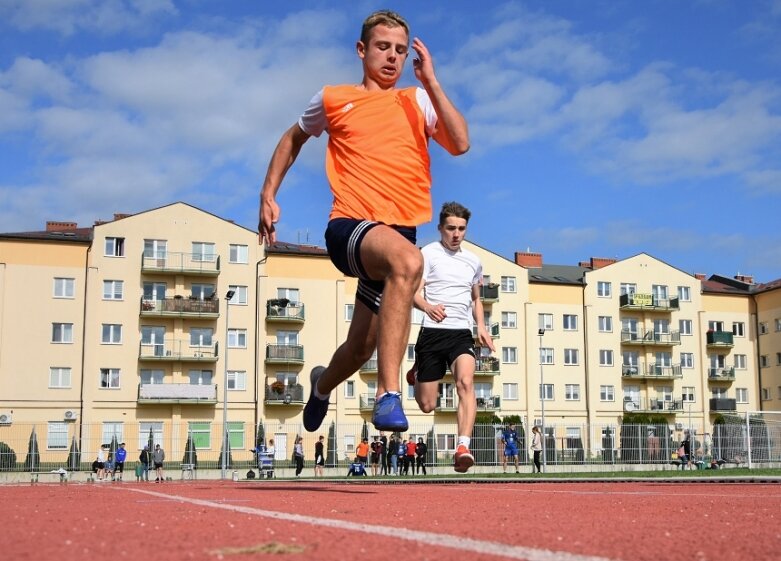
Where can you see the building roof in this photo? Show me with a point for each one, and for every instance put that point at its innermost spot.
(558, 274)
(286, 248)
(77, 235)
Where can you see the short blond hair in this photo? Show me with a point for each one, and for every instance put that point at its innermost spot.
(382, 17)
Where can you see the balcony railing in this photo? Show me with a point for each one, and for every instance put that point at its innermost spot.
(650, 338)
(487, 366)
(181, 263)
(366, 402)
(652, 405)
(179, 306)
(719, 339)
(493, 330)
(287, 395)
(447, 404)
(369, 367)
(648, 303)
(651, 371)
(724, 374)
(284, 354)
(489, 292)
(177, 393)
(489, 403)
(177, 350)
(283, 310)
(723, 404)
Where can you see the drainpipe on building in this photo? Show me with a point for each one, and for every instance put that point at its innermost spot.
(84, 346)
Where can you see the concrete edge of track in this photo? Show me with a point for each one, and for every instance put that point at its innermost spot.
(743, 479)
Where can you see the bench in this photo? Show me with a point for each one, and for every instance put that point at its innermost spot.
(188, 471)
(62, 476)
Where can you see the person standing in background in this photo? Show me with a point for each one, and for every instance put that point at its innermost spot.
(319, 456)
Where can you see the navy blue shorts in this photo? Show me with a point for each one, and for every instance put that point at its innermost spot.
(437, 349)
(343, 239)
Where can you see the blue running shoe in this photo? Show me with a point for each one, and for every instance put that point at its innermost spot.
(315, 409)
(389, 415)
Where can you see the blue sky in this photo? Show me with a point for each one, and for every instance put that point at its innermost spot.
(599, 127)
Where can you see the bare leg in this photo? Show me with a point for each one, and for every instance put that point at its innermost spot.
(463, 371)
(354, 352)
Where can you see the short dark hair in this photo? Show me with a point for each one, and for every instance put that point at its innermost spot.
(382, 17)
(453, 208)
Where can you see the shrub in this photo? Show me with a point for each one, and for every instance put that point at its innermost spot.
(7, 457)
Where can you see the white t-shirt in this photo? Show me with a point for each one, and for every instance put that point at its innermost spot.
(449, 277)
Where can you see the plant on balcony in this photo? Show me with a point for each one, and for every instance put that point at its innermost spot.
(278, 387)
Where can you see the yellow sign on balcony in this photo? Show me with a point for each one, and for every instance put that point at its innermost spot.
(642, 299)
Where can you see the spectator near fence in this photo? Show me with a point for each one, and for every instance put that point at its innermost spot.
(120, 457)
(421, 449)
(143, 457)
(319, 456)
(158, 457)
(376, 449)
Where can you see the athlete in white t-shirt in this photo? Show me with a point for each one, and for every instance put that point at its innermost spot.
(449, 296)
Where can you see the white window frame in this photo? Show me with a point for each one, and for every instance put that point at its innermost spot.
(572, 392)
(114, 332)
(237, 380)
(417, 316)
(607, 393)
(114, 247)
(688, 394)
(201, 337)
(685, 293)
(605, 324)
(57, 435)
(740, 362)
(239, 295)
(628, 288)
(113, 290)
(547, 392)
(237, 338)
(510, 355)
(200, 377)
(111, 377)
(763, 328)
(687, 360)
(545, 321)
(741, 395)
(349, 389)
(508, 284)
(606, 357)
(766, 394)
(349, 310)
(59, 377)
(112, 429)
(64, 287)
(510, 392)
(685, 326)
(411, 351)
(604, 289)
(152, 376)
(738, 329)
(509, 320)
(62, 333)
(763, 361)
(238, 253)
(570, 322)
(203, 252)
(546, 355)
(143, 433)
(571, 357)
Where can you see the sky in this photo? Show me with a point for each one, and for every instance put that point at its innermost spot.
(598, 128)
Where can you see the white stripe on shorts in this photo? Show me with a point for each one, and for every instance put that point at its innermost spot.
(352, 243)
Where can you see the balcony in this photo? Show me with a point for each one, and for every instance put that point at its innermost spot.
(196, 264)
(284, 395)
(176, 350)
(487, 366)
(724, 374)
(284, 354)
(648, 303)
(366, 402)
(369, 367)
(489, 403)
(651, 372)
(447, 404)
(493, 330)
(489, 293)
(284, 311)
(179, 306)
(177, 393)
(652, 405)
(722, 404)
(719, 339)
(650, 338)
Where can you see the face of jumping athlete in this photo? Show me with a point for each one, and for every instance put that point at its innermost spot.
(384, 55)
(452, 232)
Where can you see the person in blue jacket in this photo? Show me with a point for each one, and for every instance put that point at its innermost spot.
(119, 460)
(357, 468)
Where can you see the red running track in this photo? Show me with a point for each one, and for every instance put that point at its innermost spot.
(335, 521)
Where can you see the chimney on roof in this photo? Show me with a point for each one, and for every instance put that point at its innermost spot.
(699, 276)
(54, 226)
(748, 279)
(599, 262)
(585, 264)
(121, 215)
(528, 259)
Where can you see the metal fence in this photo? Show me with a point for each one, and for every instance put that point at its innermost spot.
(752, 440)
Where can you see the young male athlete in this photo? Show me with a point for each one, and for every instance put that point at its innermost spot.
(377, 164)
(449, 296)
(510, 441)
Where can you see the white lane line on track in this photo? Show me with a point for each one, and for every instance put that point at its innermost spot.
(428, 538)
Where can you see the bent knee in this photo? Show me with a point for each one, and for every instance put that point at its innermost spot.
(408, 264)
(427, 406)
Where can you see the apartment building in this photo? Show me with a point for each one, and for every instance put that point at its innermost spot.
(131, 326)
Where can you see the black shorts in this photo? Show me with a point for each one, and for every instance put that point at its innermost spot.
(158, 465)
(343, 239)
(120, 467)
(437, 349)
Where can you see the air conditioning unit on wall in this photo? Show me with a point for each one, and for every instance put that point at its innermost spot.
(6, 418)
(678, 426)
(71, 414)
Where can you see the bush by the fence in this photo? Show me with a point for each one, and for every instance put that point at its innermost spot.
(7, 457)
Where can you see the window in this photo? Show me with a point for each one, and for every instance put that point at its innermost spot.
(738, 329)
(570, 356)
(509, 320)
(349, 444)
(112, 430)
(203, 251)
(57, 436)
(545, 321)
(510, 391)
(546, 355)
(446, 442)
(604, 289)
(411, 352)
(237, 338)
(202, 435)
(202, 291)
(200, 377)
(64, 287)
(630, 358)
(115, 247)
(688, 394)
(628, 288)
(762, 327)
(570, 322)
(766, 394)
(238, 253)
(349, 388)
(763, 362)
(109, 378)
(417, 316)
(605, 324)
(150, 431)
(509, 355)
(572, 392)
(287, 338)
(715, 326)
(659, 291)
(62, 333)
(112, 289)
(291, 294)
(741, 395)
(349, 309)
(201, 336)
(684, 294)
(546, 392)
(237, 380)
(59, 377)
(779, 392)
(605, 357)
(111, 334)
(239, 296)
(607, 393)
(778, 359)
(740, 362)
(685, 326)
(156, 249)
(154, 291)
(508, 284)
(236, 435)
(778, 324)
(152, 376)
(687, 360)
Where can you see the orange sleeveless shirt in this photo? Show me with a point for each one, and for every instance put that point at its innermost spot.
(377, 159)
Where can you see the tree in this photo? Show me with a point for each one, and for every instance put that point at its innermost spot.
(74, 456)
(229, 461)
(7, 457)
(431, 444)
(190, 454)
(260, 436)
(330, 455)
(33, 460)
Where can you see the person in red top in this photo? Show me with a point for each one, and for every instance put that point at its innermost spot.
(362, 451)
(378, 167)
(409, 458)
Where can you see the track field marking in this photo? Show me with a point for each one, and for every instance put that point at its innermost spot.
(637, 493)
(427, 538)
